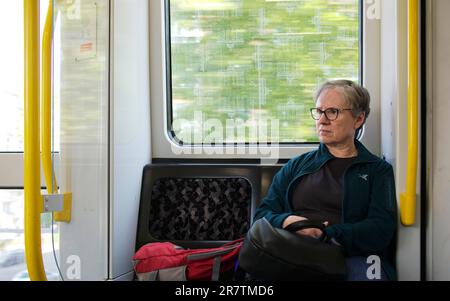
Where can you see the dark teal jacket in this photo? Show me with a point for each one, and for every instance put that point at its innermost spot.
(369, 208)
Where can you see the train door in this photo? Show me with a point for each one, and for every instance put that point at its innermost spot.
(75, 40)
(81, 89)
(101, 82)
(96, 137)
(12, 114)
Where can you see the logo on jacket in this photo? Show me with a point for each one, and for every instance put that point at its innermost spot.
(364, 177)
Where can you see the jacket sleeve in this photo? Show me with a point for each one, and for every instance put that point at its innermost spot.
(273, 206)
(375, 233)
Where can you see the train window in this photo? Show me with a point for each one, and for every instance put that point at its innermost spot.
(12, 92)
(12, 241)
(11, 76)
(236, 64)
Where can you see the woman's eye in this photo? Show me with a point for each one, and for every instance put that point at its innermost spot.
(332, 111)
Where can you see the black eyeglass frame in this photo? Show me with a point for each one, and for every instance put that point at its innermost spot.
(325, 112)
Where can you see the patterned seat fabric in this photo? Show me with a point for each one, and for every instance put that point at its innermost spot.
(200, 209)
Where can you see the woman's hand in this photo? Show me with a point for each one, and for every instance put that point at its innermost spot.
(311, 232)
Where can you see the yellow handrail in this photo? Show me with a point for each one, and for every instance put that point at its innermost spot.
(46, 127)
(32, 194)
(408, 198)
(46, 99)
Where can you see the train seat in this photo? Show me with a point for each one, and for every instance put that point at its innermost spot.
(197, 206)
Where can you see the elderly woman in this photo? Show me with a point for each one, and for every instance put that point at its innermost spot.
(340, 184)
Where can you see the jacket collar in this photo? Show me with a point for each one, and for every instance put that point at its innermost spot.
(364, 155)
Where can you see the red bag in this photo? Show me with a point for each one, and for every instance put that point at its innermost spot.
(168, 262)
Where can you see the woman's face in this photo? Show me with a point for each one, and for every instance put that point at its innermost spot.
(342, 130)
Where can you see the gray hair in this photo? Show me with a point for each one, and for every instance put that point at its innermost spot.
(356, 96)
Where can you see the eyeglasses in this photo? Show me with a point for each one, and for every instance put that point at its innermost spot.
(330, 113)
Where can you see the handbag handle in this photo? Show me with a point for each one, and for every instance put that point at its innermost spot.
(307, 224)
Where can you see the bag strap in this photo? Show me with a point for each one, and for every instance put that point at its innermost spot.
(307, 224)
(227, 248)
(212, 254)
(216, 269)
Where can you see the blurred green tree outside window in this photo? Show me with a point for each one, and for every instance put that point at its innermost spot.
(245, 60)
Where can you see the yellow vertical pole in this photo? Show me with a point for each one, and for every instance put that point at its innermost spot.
(46, 119)
(33, 202)
(46, 99)
(408, 199)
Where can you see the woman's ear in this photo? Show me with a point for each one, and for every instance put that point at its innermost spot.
(360, 120)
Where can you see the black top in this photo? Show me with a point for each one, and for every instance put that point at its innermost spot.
(319, 196)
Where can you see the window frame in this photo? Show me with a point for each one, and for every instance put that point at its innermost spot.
(12, 174)
(12, 162)
(164, 146)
